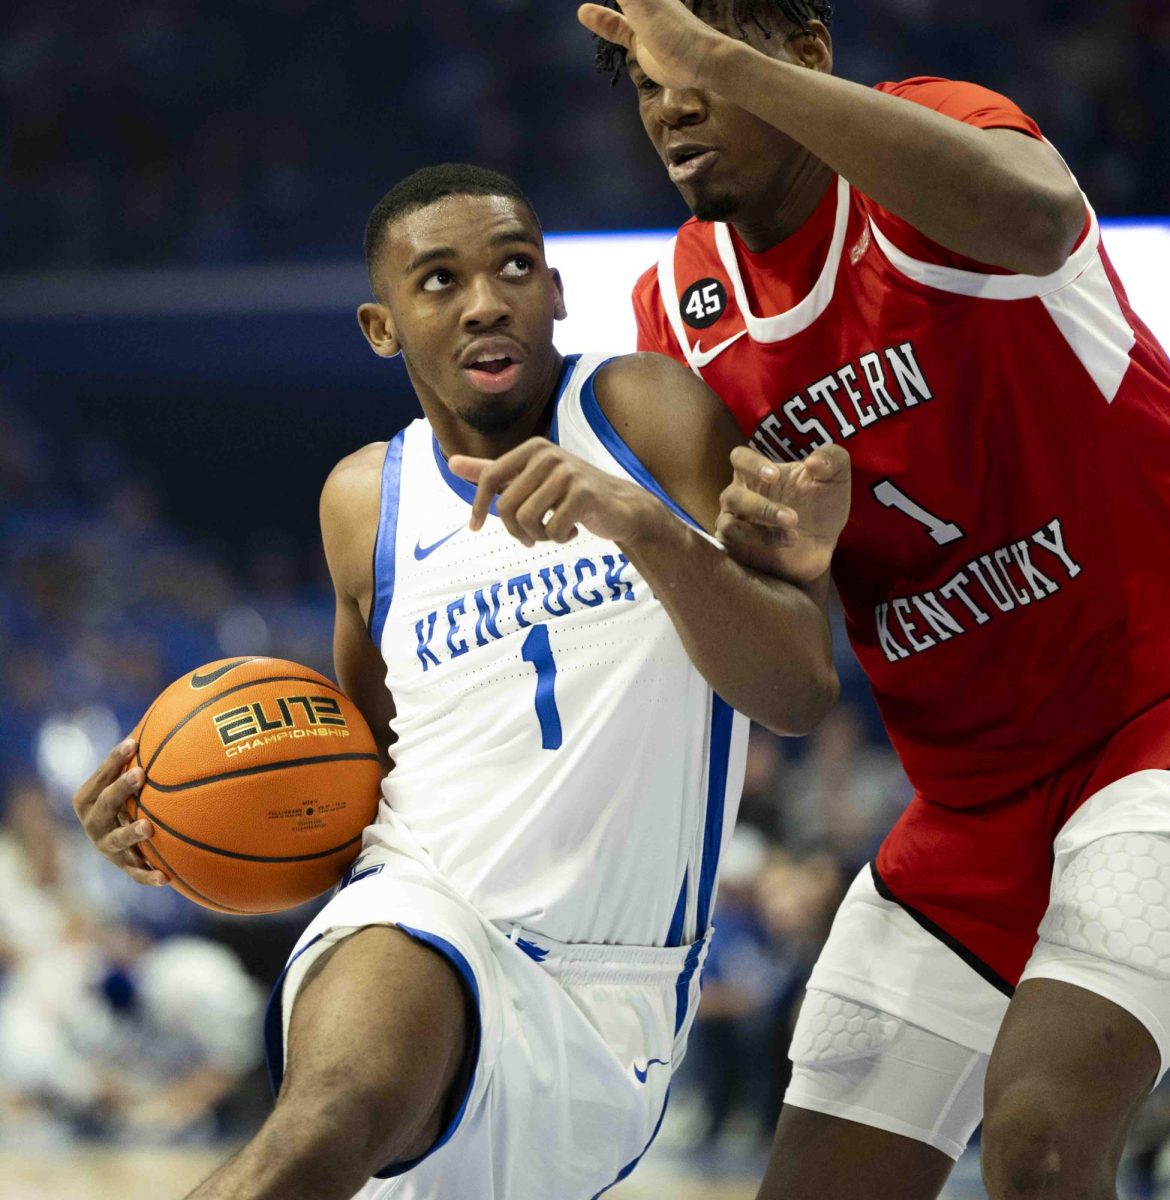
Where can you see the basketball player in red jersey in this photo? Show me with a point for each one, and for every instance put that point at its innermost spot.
(911, 272)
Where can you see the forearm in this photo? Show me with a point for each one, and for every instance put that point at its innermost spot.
(763, 645)
(949, 180)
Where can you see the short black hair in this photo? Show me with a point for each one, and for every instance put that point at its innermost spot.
(428, 186)
(611, 59)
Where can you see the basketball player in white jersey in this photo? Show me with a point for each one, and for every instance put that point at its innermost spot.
(492, 1005)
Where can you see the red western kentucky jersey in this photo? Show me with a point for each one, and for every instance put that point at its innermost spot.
(1005, 572)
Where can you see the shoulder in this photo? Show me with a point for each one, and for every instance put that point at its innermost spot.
(355, 482)
(653, 402)
(968, 102)
(675, 426)
(350, 504)
(638, 384)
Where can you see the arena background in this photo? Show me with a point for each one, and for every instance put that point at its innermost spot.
(185, 185)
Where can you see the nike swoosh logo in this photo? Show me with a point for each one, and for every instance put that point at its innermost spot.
(702, 357)
(202, 681)
(641, 1075)
(421, 551)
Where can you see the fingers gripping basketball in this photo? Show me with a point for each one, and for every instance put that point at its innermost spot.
(259, 779)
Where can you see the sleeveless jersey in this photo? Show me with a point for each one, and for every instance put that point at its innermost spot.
(1005, 572)
(559, 757)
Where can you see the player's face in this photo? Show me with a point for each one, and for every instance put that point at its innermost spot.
(728, 164)
(472, 304)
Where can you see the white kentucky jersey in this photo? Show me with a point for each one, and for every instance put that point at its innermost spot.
(559, 757)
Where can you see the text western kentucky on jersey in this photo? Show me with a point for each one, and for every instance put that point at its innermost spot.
(1005, 572)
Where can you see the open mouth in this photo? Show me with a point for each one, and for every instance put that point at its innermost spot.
(685, 162)
(492, 366)
(493, 373)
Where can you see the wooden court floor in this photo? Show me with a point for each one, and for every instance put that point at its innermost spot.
(123, 1174)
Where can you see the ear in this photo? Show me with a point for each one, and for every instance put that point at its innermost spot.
(378, 326)
(560, 312)
(813, 48)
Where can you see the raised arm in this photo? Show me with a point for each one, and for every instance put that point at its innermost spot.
(995, 195)
(763, 644)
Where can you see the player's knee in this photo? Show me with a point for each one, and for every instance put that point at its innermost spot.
(1033, 1147)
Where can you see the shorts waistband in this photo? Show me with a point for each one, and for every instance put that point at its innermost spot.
(585, 962)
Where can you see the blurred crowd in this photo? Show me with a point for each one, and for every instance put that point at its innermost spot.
(126, 1012)
(202, 131)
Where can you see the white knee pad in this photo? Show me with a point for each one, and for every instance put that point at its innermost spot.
(1107, 928)
(1113, 900)
(864, 1065)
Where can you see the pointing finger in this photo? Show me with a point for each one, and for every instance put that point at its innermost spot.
(467, 467)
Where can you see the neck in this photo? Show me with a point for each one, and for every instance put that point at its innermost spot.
(787, 206)
(456, 436)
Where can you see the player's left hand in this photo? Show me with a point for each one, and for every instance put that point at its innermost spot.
(754, 522)
(670, 43)
(542, 493)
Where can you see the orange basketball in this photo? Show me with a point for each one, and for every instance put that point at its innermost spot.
(260, 777)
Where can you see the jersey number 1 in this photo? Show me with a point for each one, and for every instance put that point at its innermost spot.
(538, 652)
(943, 532)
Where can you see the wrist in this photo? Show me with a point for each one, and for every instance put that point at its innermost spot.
(716, 58)
(649, 525)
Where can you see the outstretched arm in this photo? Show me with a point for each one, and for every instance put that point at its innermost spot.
(997, 196)
(763, 644)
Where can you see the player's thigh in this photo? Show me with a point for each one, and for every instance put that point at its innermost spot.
(379, 1039)
(877, 1107)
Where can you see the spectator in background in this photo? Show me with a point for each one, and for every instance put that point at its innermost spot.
(102, 1030)
(112, 154)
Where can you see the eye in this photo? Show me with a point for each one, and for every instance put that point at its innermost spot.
(646, 86)
(438, 281)
(517, 267)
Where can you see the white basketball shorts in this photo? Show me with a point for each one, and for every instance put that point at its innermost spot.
(896, 1029)
(575, 1048)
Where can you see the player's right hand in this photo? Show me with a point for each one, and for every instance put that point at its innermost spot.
(100, 805)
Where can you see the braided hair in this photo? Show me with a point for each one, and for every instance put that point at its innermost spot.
(610, 58)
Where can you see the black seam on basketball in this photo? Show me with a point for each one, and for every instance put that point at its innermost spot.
(264, 858)
(227, 692)
(952, 943)
(355, 756)
(142, 733)
(239, 912)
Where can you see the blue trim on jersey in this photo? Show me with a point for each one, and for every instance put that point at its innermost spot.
(674, 936)
(456, 959)
(682, 989)
(384, 546)
(465, 490)
(274, 1023)
(612, 441)
(628, 1169)
(722, 723)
